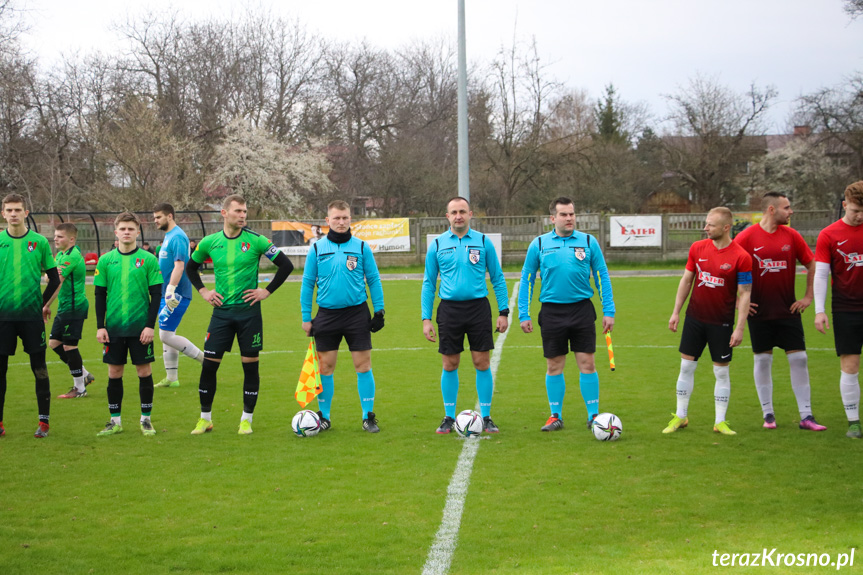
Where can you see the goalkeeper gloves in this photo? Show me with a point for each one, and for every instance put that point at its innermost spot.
(171, 299)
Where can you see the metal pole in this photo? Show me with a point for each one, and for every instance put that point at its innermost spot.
(463, 168)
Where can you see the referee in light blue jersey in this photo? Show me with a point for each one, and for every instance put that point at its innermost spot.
(462, 256)
(566, 260)
(340, 265)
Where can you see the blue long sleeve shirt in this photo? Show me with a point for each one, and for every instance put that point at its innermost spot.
(462, 264)
(341, 272)
(566, 265)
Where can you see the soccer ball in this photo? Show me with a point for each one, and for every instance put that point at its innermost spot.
(607, 427)
(306, 423)
(468, 423)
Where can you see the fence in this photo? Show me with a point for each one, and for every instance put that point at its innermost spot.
(96, 232)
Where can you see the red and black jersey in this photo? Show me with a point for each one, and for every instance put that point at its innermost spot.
(717, 273)
(774, 263)
(841, 246)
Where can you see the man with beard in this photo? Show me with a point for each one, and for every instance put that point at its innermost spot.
(176, 294)
(774, 315)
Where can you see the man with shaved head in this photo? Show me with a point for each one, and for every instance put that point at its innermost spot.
(724, 273)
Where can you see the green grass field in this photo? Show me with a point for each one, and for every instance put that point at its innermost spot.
(350, 502)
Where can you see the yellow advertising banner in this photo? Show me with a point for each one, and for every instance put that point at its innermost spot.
(382, 235)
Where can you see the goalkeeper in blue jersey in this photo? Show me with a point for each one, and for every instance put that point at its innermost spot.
(341, 265)
(566, 260)
(462, 256)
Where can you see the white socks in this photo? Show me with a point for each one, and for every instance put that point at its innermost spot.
(798, 363)
(685, 384)
(171, 359)
(849, 387)
(762, 372)
(721, 391)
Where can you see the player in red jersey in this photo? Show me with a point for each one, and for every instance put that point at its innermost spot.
(839, 252)
(723, 271)
(774, 311)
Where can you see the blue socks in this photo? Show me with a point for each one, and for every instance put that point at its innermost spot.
(484, 390)
(449, 390)
(589, 383)
(366, 389)
(325, 398)
(555, 388)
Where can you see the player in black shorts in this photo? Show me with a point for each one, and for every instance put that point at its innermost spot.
(24, 256)
(128, 293)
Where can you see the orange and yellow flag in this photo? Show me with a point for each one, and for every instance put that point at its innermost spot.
(309, 385)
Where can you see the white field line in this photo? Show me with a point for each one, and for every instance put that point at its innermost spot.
(440, 555)
(425, 348)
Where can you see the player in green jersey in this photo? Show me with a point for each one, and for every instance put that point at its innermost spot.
(24, 255)
(235, 252)
(128, 292)
(71, 309)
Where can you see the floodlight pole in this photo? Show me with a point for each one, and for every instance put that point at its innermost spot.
(463, 156)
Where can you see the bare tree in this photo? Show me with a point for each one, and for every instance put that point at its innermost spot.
(516, 151)
(854, 8)
(837, 115)
(708, 148)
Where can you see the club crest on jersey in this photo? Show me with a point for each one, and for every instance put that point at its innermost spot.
(139, 262)
(705, 279)
(769, 266)
(351, 263)
(725, 267)
(245, 246)
(580, 254)
(473, 256)
(786, 248)
(31, 246)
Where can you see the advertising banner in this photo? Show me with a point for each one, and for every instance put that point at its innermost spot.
(382, 235)
(636, 231)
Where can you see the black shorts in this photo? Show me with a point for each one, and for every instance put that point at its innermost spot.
(848, 332)
(32, 334)
(352, 323)
(785, 334)
(114, 353)
(455, 319)
(247, 326)
(566, 326)
(696, 334)
(67, 330)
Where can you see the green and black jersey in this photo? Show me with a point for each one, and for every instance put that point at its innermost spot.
(72, 302)
(235, 264)
(127, 279)
(23, 260)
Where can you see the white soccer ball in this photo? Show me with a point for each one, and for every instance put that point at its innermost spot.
(468, 423)
(607, 427)
(306, 423)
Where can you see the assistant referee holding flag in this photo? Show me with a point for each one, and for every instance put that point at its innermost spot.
(340, 265)
(462, 256)
(566, 259)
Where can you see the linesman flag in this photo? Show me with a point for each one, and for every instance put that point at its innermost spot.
(309, 385)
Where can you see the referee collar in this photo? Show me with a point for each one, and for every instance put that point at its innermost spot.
(572, 235)
(466, 235)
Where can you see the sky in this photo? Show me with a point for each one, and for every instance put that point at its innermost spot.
(646, 48)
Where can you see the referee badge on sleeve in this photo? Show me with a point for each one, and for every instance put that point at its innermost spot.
(579, 253)
(351, 263)
(473, 256)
